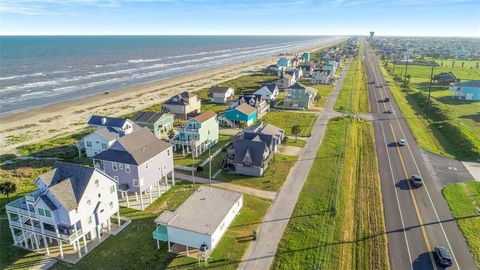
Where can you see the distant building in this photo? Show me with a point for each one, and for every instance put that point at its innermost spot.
(220, 94)
(256, 101)
(200, 133)
(445, 78)
(251, 153)
(284, 62)
(242, 115)
(183, 105)
(306, 57)
(321, 76)
(268, 91)
(97, 141)
(121, 125)
(469, 90)
(159, 123)
(200, 222)
(299, 96)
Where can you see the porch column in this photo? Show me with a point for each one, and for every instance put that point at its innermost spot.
(34, 236)
(128, 202)
(46, 244)
(158, 188)
(85, 243)
(79, 248)
(118, 217)
(150, 192)
(61, 248)
(136, 196)
(173, 178)
(166, 179)
(158, 243)
(109, 222)
(141, 199)
(13, 235)
(169, 248)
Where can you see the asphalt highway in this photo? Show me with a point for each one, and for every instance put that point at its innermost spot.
(417, 219)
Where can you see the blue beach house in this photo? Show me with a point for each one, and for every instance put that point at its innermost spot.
(469, 90)
(242, 115)
(305, 57)
(283, 62)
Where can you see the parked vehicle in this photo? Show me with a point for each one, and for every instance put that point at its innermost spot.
(387, 99)
(416, 181)
(402, 142)
(444, 257)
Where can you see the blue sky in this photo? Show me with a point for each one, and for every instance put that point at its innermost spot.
(238, 17)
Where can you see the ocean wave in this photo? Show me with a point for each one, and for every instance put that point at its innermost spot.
(22, 76)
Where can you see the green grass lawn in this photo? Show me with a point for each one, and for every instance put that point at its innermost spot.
(452, 130)
(464, 201)
(354, 89)
(337, 222)
(186, 160)
(135, 248)
(272, 179)
(287, 119)
(296, 143)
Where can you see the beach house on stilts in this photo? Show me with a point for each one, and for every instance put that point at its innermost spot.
(71, 210)
(142, 164)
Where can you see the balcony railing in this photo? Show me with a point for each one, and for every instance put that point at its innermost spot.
(27, 227)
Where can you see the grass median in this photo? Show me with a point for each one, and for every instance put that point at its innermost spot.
(338, 219)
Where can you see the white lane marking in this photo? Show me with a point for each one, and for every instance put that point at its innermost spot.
(393, 179)
(418, 170)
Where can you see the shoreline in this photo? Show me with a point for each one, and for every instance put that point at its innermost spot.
(64, 117)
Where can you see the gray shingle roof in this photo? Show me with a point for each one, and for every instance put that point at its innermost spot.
(203, 212)
(109, 121)
(147, 117)
(67, 182)
(140, 146)
(218, 89)
(107, 133)
(257, 148)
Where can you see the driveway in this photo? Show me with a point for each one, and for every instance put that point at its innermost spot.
(261, 253)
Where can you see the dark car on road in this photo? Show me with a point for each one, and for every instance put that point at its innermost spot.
(443, 256)
(416, 181)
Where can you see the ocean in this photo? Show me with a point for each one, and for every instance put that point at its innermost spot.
(40, 70)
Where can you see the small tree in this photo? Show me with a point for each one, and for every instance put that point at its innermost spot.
(295, 131)
(317, 99)
(7, 188)
(171, 134)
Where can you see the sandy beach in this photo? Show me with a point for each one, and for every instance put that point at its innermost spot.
(49, 121)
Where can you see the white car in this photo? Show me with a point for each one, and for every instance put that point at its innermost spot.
(390, 111)
(402, 142)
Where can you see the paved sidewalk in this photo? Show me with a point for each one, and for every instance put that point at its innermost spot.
(269, 195)
(261, 252)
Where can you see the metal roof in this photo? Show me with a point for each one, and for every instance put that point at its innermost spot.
(203, 212)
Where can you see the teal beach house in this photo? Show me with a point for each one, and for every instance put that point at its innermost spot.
(243, 115)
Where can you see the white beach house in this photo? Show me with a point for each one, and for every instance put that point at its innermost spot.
(72, 206)
(201, 220)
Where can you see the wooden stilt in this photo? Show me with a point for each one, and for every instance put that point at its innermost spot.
(85, 244)
(60, 247)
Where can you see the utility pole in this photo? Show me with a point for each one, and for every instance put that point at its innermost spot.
(405, 77)
(209, 167)
(429, 91)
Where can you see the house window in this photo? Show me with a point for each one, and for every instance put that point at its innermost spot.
(89, 202)
(136, 183)
(168, 152)
(112, 189)
(120, 166)
(146, 165)
(89, 219)
(89, 144)
(127, 168)
(104, 146)
(97, 183)
(164, 166)
(114, 166)
(115, 177)
(110, 204)
(41, 212)
(47, 213)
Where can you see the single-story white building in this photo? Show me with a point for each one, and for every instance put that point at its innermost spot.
(201, 220)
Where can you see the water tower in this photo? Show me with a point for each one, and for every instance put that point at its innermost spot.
(371, 34)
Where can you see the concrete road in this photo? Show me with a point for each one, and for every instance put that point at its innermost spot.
(417, 219)
(261, 252)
